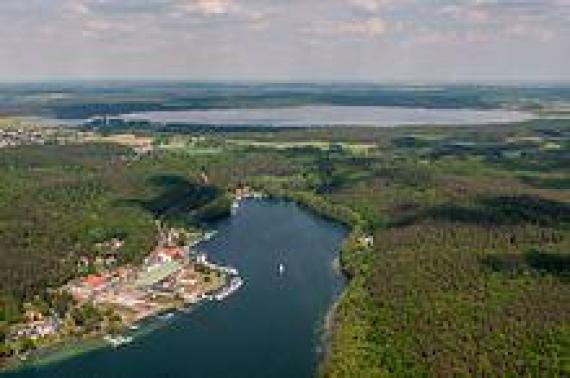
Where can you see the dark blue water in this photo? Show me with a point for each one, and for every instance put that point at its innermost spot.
(270, 328)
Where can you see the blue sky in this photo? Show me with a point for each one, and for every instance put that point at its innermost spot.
(286, 40)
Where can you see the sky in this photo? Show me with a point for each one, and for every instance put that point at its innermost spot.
(286, 40)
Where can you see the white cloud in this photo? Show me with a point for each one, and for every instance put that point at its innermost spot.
(370, 27)
(434, 38)
(206, 7)
(76, 7)
(470, 14)
(94, 27)
(184, 37)
(530, 31)
(214, 6)
(368, 5)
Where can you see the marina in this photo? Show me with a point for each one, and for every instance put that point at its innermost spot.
(235, 284)
(171, 278)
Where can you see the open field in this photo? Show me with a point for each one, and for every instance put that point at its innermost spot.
(128, 140)
(321, 145)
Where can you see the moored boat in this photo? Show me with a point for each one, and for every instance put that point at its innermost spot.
(235, 284)
(118, 340)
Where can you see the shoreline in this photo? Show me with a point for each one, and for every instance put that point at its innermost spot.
(71, 348)
(67, 347)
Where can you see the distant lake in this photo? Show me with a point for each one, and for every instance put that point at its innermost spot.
(269, 328)
(304, 116)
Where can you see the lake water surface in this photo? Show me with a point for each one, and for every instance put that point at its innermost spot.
(270, 328)
(326, 115)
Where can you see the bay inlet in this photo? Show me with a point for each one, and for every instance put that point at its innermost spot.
(271, 327)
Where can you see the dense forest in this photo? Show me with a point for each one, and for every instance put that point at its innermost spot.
(468, 274)
(58, 202)
(81, 100)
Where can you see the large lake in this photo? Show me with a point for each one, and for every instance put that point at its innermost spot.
(326, 115)
(270, 328)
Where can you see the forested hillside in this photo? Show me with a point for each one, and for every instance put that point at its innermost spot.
(468, 273)
(57, 203)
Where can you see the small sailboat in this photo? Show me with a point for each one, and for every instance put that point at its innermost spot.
(235, 207)
(281, 269)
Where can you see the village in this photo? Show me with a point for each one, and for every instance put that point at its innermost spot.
(172, 277)
(20, 134)
(108, 299)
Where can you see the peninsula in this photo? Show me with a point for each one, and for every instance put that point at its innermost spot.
(113, 298)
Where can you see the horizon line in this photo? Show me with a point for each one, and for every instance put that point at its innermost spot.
(404, 82)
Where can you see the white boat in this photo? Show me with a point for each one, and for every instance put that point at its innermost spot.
(134, 327)
(166, 316)
(227, 270)
(235, 284)
(206, 297)
(209, 235)
(235, 207)
(117, 341)
(281, 268)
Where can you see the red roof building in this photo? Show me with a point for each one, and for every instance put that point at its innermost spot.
(94, 281)
(173, 252)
